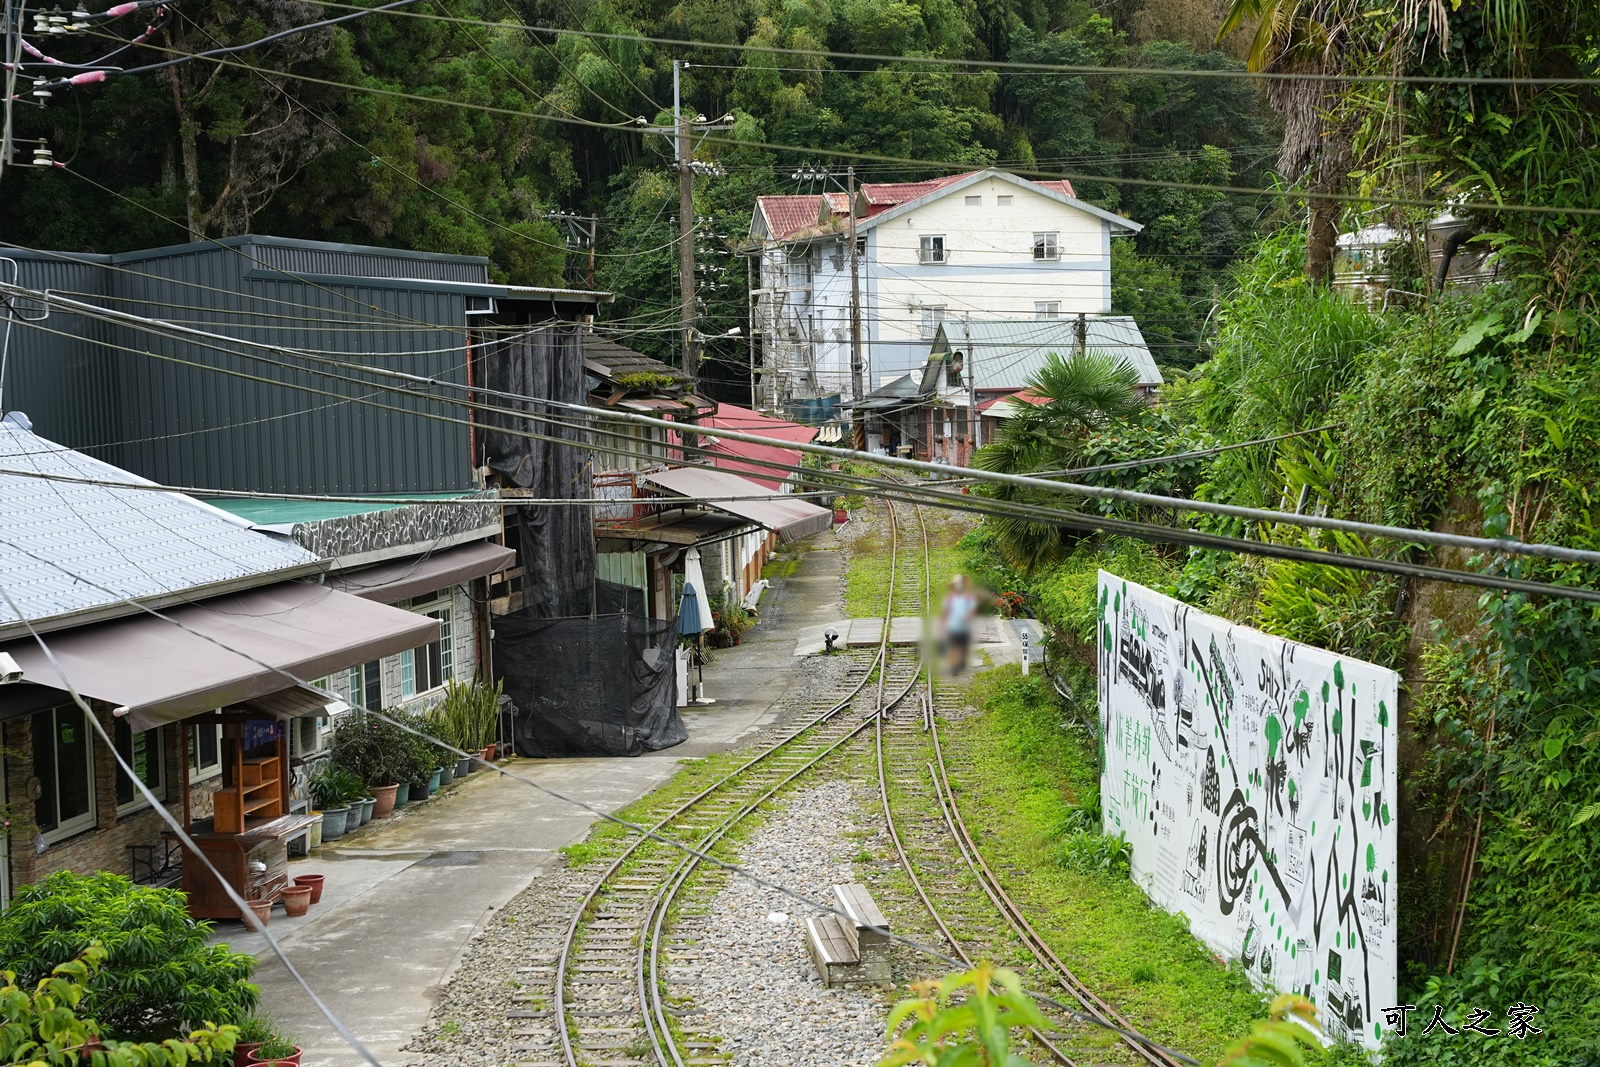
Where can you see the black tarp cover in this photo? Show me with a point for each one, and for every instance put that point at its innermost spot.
(556, 543)
(591, 685)
(588, 672)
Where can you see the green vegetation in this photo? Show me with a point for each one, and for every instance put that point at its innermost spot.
(46, 1025)
(156, 977)
(1031, 769)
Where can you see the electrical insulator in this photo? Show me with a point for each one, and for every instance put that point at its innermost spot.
(39, 90)
(43, 157)
(58, 21)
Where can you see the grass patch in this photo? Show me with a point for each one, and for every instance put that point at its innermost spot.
(867, 575)
(1026, 765)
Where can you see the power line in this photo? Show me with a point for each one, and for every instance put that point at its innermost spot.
(631, 827)
(1232, 74)
(966, 166)
(246, 913)
(1400, 534)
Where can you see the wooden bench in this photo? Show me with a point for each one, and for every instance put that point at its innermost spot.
(853, 949)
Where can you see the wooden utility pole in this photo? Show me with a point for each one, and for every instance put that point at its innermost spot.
(686, 229)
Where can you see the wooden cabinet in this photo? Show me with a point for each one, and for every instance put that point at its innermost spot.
(255, 863)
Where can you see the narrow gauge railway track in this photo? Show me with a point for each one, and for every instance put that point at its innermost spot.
(927, 824)
(607, 1005)
(902, 667)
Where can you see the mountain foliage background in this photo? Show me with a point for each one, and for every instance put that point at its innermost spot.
(358, 133)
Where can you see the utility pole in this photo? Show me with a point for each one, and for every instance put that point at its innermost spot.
(578, 234)
(686, 294)
(855, 296)
(972, 388)
(1081, 344)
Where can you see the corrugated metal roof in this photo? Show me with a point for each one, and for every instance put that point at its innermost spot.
(789, 215)
(1007, 353)
(139, 543)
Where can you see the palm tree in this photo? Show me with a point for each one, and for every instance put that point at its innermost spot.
(1305, 37)
(1081, 394)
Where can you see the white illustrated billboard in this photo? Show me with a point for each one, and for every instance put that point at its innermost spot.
(1255, 780)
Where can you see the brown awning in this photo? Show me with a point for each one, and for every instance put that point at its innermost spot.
(785, 516)
(163, 673)
(389, 582)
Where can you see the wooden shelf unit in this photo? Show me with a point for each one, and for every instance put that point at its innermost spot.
(255, 790)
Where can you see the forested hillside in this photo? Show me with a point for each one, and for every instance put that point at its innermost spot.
(334, 135)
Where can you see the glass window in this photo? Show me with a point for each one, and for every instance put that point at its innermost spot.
(366, 685)
(932, 319)
(63, 760)
(429, 666)
(1047, 309)
(1003, 200)
(933, 248)
(143, 752)
(1046, 246)
(205, 750)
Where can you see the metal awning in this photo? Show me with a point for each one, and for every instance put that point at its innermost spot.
(785, 516)
(229, 650)
(404, 578)
(676, 527)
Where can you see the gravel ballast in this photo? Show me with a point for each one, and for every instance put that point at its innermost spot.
(755, 983)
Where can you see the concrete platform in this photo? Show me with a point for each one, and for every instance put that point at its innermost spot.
(401, 902)
(866, 633)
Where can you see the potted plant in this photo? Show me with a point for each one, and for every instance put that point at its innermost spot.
(252, 1032)
(275, 1049)
(467, 718)
(446, 772)
(373, 750)
(328, 792)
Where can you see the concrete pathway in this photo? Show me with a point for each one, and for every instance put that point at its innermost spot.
(402, 900)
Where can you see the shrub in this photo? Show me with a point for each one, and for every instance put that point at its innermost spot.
(1085, 850)
(45, 1027)
(160, 978)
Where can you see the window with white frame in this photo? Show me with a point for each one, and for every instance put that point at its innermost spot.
(144, 751)
(1047, 246)
(974, 201)
(932, 249)
(1004, 200)
(63, 761)
(1047, 309)
(205, 750)
(366, 685)
(429, 666)
(932, 319)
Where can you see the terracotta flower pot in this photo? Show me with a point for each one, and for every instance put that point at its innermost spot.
(286, 1061)
(384, 794)
(296, 899)
(487, 753)
(263, 910)
(242, 1051)
(312, 882)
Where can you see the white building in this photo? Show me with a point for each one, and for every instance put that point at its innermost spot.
(984, 245)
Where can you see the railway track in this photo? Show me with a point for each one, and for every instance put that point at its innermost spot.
(607, 1005)
(962, 894)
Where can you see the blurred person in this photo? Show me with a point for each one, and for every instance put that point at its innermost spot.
(955, 622)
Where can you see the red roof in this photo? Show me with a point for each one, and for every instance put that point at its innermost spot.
(736, 455)
(1024, 396)
(790, 216)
